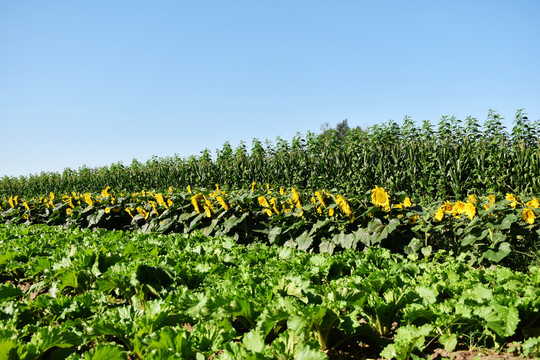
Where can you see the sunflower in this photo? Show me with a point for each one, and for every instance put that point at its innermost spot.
(447, 207)
(207, 211)
(512, 200)
(263, 202)
(87, 199)
(105, 192)
(195, 204)
(343, 204)
(273, 202)
(319, 197)
(379, 197)
(528, 216)
(161, 200)
(439, 214)
(469, 210)
(153, 203)
(222, 202)
(533, 204)
(413, 219)
(407, 202)
(459, 208)
(145, 214)
(296, 198)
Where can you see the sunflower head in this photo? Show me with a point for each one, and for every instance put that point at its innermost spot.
(512, 200)
(439, 214)
(447, 207)
(533, 204)
(379, 197)
(528, 216)
(469, 210)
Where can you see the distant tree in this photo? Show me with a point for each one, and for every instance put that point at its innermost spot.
(341, 129)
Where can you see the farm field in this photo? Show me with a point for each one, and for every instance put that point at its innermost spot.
(395, 242)
(485, 230)
(443, 161)
(69, 293)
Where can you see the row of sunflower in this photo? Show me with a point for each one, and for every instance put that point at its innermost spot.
(321, 220)
(468, 208)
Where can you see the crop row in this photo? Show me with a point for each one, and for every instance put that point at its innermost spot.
(444, 161)
(80, 294)
(484, 229)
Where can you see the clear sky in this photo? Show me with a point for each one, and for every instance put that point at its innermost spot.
(99, 82)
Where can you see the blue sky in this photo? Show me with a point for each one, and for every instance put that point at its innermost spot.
(99, 82)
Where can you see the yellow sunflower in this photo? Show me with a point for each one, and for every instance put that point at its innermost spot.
(379, 197)
(533, 204)
(528, 216)
(512, 200)
(439, 214)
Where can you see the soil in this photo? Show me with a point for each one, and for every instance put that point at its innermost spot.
(365, 353)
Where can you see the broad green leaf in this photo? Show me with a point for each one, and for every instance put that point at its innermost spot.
(68, 278)
(413, 246)
(427, 250)
(51, 336)
(9, 291)
(273, 234)
(448, 341)
(254, 342)
(347, 241)
(508, 221)
(8, 349)
(326, 247)
(211, 336)
(501, 319)
(106, 352)
(496, 256)
(428, 294)
(166, 224)
(208, 230)
(531, 347)
(304, 241)
(308, 353)
(298, 324)
(173, 340)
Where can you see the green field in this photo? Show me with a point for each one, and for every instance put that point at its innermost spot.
(394, 242)
(447, 160)
(107, 294)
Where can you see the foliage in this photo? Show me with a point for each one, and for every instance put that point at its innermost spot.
(69, 293)
(429, 162)
(482, 230)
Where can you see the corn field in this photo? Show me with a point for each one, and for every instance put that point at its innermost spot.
(443, 161)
